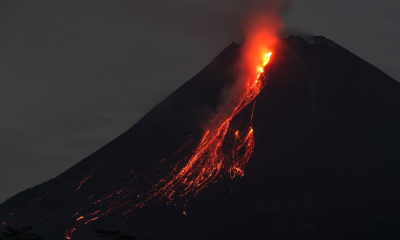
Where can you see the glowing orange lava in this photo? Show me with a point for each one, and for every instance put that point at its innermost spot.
(220, 150)
(84, 180)
(207, 160)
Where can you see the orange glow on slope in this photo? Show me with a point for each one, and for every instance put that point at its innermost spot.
(90, 214)
(207, 160)
(223, 149)
(220, 150)
(84, 180)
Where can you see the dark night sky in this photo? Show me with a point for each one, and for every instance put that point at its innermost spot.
(75, 75)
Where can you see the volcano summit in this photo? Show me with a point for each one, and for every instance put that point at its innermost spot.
(321, 163)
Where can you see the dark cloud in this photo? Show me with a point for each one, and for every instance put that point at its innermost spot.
(74, 75)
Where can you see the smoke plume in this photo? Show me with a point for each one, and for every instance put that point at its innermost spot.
(261, 27)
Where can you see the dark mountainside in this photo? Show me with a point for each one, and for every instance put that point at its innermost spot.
(326, 163)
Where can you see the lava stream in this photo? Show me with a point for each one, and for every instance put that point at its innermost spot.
(205, 162)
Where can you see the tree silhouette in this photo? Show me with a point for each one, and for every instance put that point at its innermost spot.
(113, 235)
(20, 234)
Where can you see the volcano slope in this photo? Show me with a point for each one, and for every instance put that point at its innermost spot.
(326, 163)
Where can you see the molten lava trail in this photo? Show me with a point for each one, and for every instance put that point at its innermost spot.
(220, 150)
(210, 157)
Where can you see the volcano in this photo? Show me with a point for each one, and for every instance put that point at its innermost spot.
(325, 163)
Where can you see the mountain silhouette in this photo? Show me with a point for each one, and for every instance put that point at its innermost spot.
(326, 163)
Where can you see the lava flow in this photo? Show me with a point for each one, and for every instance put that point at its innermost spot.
(221, 150)
(210, 156)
